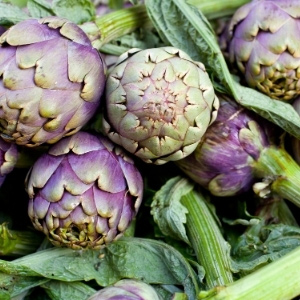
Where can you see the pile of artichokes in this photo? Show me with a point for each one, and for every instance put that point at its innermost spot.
(155, 106)
(158, 105)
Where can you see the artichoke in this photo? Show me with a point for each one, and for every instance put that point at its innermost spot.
(264, 43)
(237, 151)
(223, 161)
(51, 81)
(84, 192)
(128, 289)
(159, 104)
(8, 158)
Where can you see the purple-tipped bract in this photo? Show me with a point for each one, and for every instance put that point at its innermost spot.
(8, 158)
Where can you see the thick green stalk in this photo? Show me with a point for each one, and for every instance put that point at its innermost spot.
(116, 24)
(278, 280)
(211, 249)
(124, 21)
(215, 8)
(283, 173)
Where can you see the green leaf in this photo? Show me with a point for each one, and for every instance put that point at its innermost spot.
(12, 286)
(77, 11)
(148, 260)
(58, 290)
(167, 210)
(39, 8)
(10, 14)
(270, 243)
(185, 27)
(280, 113)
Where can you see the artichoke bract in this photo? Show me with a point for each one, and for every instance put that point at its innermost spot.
(84, 192)
(159, 104)
(51, 81)
(264, 43)
(238, 152)
(8, 158)
(128, 289)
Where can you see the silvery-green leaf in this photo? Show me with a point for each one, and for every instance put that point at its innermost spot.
(168, 211)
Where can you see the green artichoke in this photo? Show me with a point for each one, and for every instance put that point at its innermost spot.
(264, 43)
(84, 192)
(128, 289)
(51, 81)
(159, 104)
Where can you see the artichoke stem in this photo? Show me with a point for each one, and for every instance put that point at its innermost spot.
(214, 9)
(211, 249)
(127, 20)
(277, 280)
(116, 24)
(284, 173)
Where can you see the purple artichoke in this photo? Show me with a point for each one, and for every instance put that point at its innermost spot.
(264, 43)
(236, 151)
(51, 81)
(84, 192)
(128, 289)
(223, 161)
(8, 158)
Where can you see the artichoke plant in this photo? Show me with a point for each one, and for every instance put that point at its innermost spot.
(84, 192)
(237, 153)
(51, 81)
(159, 104)
(8, 158)
(128, 289)
(264, 43)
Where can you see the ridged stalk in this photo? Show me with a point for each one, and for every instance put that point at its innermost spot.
(215, 8)
(278, 280)
(211, 249)
(116, 24)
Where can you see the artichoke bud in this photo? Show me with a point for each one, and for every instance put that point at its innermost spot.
(84, 192)
(51, 81)
(127, 289)
(159, 104)
(264, 44)
(8, 158)
(223, 161)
